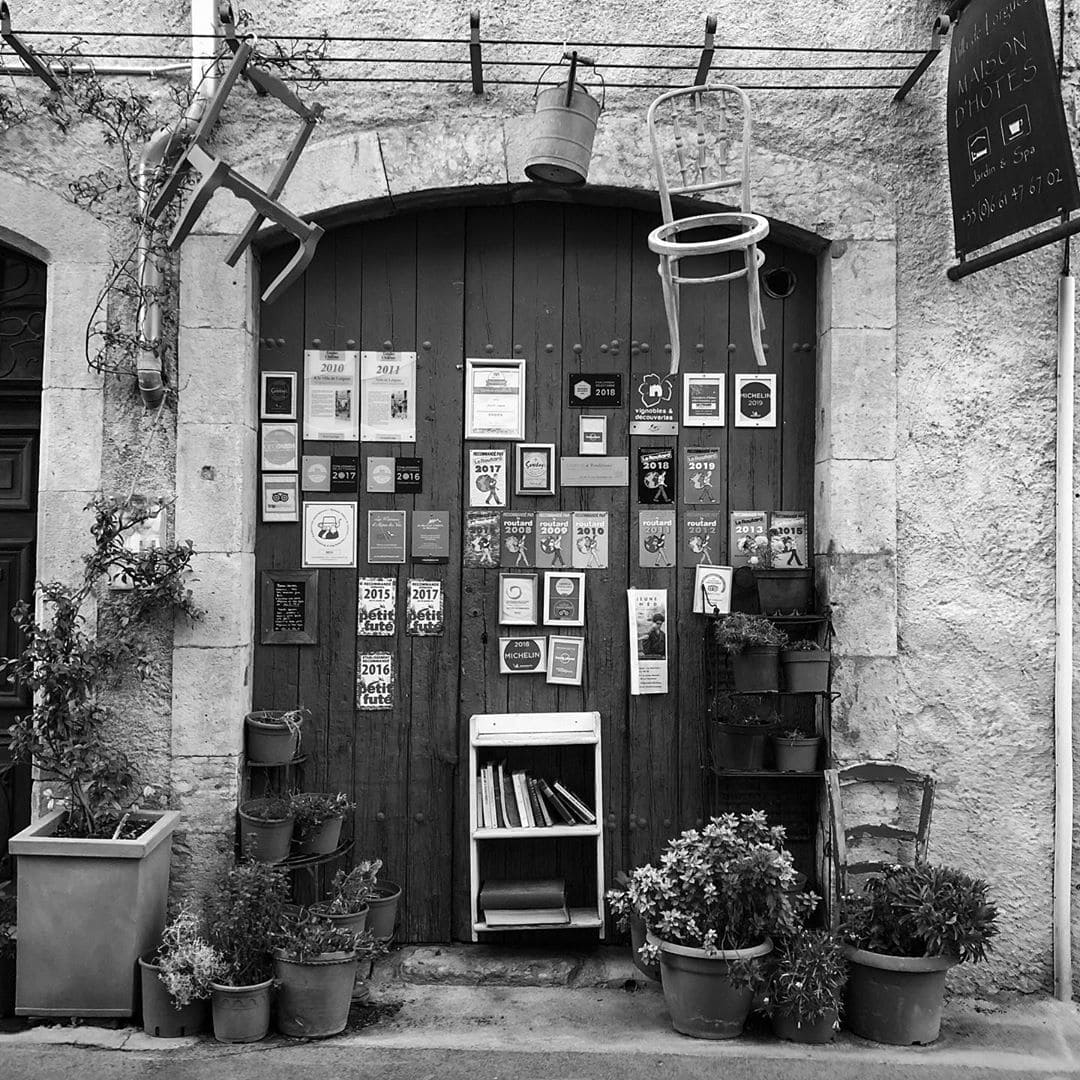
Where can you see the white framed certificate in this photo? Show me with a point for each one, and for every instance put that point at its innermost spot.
(755, 400)
(703, 399)
(494, 399)
(518, 595)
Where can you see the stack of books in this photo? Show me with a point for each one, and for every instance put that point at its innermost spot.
(506, 902)
(507, 799)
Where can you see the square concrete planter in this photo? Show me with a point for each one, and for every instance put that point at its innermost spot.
(87, 910)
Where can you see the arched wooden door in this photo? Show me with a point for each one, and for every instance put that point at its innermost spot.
(570, 288)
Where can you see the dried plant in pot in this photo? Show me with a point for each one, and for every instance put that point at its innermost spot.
(903, 931)
(272, 736)
(782, 589)
(753, 644)
(806, 976)
(266, 828)
(317, 820)
(805, 666)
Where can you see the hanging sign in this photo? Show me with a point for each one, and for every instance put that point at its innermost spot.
(553, 538)
(329, 534)
(712, 590)
(386, 536)
(655, 474)
(701, 534)
(388, 397)
(701, 467)
(654, 405)
(648, 641)
(755, 400)
(746, 525)
(331, 404)
(424, 608)
(592, 390)
(430, 536)
(375, 681)
(518, 538)
(376, 601)
(787, 536)
(656, 538)
(522, 656)
(487, 477)
(482, 539)
(590, 546)
(1010, 159)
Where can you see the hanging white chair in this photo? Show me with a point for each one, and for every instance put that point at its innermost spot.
(706, 165)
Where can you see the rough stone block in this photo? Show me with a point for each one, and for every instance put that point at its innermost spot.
(213, 294)
(617, 160)
(218, 377)
(224, 587)
(474, 966)
(860, 289)
(63, 534)
(72, 293)
(211, 694)
(60, 231)
(864, 717)
(861, 590)
(855, 506)
(71, 439)
(199, 860)
(205, 791)
(216, 486)
(443, 154)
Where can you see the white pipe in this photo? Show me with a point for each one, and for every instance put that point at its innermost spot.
(100, 69)
(1063, 604)
(204, 81)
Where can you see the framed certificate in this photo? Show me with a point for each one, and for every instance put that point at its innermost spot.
(566, 656)
(703, 399)
(564, 599)
(517, 599)
(277, 395)
(494, 399)
(534, 469)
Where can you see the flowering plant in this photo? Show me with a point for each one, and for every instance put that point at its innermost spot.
(728, 885)
(807, 972)
(187, 963)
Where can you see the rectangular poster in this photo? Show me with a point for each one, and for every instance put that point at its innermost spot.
(701, 471)
(648, 641)
(482, 542)
(329, 534)
(424, 608)
(374, 681)
(388, 397)
(487, 477)
(787, 536)
(518, 538)
(553, 540)
(522, 656)
(755, 400)
(703, 399)
(655, 474)
(430, 536)
(652, 397)
(701, 535)
(279, 448)
(712, 590)
(564, 599)
(656, 538)
(590, 543)
(386, 536)
(331, 395)
(280, 497)
(745, 526)
(566, 658)
(376, 606)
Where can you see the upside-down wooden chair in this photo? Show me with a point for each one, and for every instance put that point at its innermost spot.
(704, 162)
(911, 844)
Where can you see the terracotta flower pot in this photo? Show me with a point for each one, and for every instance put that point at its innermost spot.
(241, 1013)
(741, 746)
(270, 742)
(322, 839)
(796, 755)
(264, 839)
(382, 910)
(314, 995)
(756, 669)
(161, 1017)
(805, 670)
(784, 592)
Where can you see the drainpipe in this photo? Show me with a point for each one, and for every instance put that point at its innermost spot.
(1063, 603)
(204, 80)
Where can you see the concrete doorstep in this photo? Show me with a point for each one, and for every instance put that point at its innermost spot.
(487, 1000)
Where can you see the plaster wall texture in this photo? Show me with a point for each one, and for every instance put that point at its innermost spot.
(936, 445)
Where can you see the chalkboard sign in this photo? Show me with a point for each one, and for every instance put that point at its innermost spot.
(290, 600)
(1010, 161)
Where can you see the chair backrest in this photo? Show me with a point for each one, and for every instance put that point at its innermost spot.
(700, 141)
(910, 842)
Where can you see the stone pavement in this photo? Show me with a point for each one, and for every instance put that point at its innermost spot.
(481, 1012)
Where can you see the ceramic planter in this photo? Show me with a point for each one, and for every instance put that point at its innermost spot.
(88, 909)
(822, 1030)
(784, 592)
(382, 910)
(741, 746)
(314, 995)
(267, 742)
(805, 670)
(756, 668)
(355, 921)
(266, 840)
(160, 1016)
(895, 999)
(702, 1000)
(241, 1013)
(320, 840)
(796, 755)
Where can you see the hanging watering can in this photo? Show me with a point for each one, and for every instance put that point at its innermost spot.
(563, 131)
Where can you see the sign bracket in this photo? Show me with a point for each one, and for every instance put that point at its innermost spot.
(966, 267)
(475, 60)
(705, 63)
(942, 25)
(25, 53)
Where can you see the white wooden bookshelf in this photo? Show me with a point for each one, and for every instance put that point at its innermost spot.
(494, 731)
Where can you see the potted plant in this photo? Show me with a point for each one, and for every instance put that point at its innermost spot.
(242, 917)
(712, 905)
(794, 751)
(753, 643)
(782, 589)
(903, 932)
(628, 918)
(807, 973)
(350, 895)
(266, 828)
(317, 820)
(7, 952)
(93, 873)
(176, 979)
(272, 736)
(315, 967)
(741, 732)
(805, 666)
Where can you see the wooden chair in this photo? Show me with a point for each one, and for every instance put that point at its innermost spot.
(709, 165)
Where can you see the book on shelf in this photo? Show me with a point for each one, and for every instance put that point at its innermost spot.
(565, 814)
(540, 810)
(521, 794)
(522, 894)
(553, 916)
(490, 819)
(575, 804)
(480, 819)
(506, 797)
(511, 799)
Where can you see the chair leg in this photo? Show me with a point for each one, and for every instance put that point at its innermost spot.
(671, 306)
(203, 193)
(296, 266)
(753, 296)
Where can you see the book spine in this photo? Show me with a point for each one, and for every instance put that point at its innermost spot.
(497, 792)
(575, 804)
(560, 807)
(489, 805)
(479, 802)
(540, 811)
(522, 795)
(508, 800)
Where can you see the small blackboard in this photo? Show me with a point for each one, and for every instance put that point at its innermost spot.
(1010, 160)
(290, 607)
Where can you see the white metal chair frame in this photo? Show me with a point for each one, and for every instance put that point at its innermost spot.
(752, 228)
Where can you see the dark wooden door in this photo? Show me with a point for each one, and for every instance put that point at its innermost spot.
(570, 288)
(22, 311)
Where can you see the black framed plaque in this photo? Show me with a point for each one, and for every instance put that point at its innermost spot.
(598, 391)
(290, 607)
